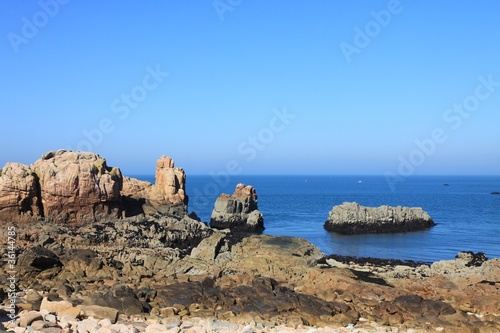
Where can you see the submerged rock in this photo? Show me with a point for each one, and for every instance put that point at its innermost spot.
(352, 218)
(238, 212)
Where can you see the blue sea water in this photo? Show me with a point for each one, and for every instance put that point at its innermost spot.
(467, 215)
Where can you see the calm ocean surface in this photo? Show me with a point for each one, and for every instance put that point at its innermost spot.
(467, 215)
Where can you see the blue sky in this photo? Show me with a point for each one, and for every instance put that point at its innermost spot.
(255, 87)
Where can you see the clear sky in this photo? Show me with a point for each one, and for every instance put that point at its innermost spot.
(256, 87)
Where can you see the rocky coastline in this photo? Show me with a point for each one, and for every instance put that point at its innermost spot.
(144, 265)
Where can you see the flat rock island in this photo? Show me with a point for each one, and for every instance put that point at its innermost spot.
(352, 218)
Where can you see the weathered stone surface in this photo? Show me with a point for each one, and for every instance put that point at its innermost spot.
(100, 312)
(167, 196)
(119, 297)
(37, 259)
(19, 193)
(352, 218)
(27, 318)
(78, 187)
(238, 212)
(57, 307)
(170, 181)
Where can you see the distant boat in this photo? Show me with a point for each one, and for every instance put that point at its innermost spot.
(495, 192)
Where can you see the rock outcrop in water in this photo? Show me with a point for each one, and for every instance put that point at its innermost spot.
(352, 218)
(238, 212)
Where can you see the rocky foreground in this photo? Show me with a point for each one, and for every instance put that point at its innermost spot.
(228, 283)
(143, 265)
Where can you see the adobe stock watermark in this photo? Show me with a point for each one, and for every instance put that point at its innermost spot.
(122, 107)
(31, 26)
(363, 36)
(10, 306)
(223, 6)
(248, 150)
(453, 117)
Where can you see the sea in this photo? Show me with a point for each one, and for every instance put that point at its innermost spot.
(466, 214)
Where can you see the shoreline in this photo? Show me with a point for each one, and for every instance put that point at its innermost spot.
(282, 274)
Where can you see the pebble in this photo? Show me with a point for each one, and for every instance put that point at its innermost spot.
(247, 329)
(87, 326)
(156, 328)
(51, 318)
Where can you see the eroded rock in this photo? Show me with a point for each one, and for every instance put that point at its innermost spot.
(352, 218)
(238, 212)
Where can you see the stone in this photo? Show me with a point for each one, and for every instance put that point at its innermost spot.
(78, 187)
(352, 218)
(105, 322)
(247, 329)
(100, 312)
(108, 330)
(171, 322)
(57, 307)
(170, 182)
(87, 326)
(166, 197)
(26, 319)
(156, 328)
(119, 297)
(39, 325)
(32, 296)
(120, 327)
(209, 248)
(19, 194)
(65, 290)
(39, 259)
(238, 212)
(50, 318)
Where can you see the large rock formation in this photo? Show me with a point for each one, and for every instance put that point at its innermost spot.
(238, 212)
(78, 187)
(62, 186)
(19, 193)
(167, 196)
(352, 218)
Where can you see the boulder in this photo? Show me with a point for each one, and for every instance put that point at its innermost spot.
(78, 187)
(57, 307)
(119, 297)
(100, 312)
(19, 193)
(352, 218)
(26, 319)
(238, 212)
(167, 196)
(37, 259)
